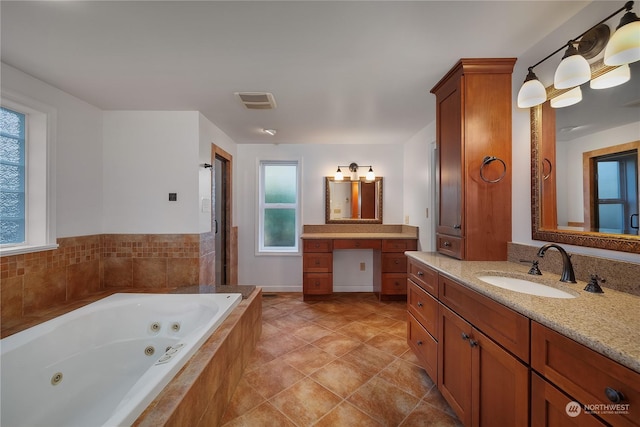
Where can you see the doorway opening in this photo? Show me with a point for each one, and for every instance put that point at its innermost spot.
(221, 213)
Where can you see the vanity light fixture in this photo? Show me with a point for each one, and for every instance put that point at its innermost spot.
(570, 97)
(353, 168)
(615, 77)
(574, 70)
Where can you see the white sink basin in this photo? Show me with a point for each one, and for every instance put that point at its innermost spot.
(525, 286)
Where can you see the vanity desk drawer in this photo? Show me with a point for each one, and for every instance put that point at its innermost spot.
(317, 283)
(399, 245)
(586, 375)
(394, 263)
(394, 283)
(317, 262)
(423, 276)
(317, 245)
(356, 244)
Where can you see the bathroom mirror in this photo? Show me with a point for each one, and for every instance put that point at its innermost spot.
(566, 146)
(353, 201)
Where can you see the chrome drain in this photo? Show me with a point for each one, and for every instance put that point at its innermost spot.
(56, 378)
(149, 350)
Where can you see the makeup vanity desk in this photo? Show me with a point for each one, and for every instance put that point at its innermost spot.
(388, 242)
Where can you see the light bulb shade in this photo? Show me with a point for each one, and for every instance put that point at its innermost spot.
(570, 97)
(531, 93)
(572, 71)
(615, 77)
(624, 45)
(338, 176)
(370, 175)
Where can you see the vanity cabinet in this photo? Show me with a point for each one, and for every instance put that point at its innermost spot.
(473, 138)
(586, 376)
(317, 267)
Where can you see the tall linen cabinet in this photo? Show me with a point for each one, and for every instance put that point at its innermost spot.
(474, 159)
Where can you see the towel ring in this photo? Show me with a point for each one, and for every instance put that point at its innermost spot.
(545, 177)
(486, 161)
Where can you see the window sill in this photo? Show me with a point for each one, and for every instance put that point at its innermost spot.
(25, 249)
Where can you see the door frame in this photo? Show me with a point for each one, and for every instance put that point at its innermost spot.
(225, 226)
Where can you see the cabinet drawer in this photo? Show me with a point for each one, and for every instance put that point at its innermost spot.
(317, 283)
(423, 307)
(549, 407)
(394, 284)
(449, 245)
(317, 245)
(424, 346)
(394, 263)
(317, 263)
(423, 276)
(399, 245)
(503, 325)
(585, 374)
(356, 244)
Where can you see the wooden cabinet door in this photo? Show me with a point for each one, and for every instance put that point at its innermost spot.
(500, 385)
(551, 408)
(454, 363)
(449, 141)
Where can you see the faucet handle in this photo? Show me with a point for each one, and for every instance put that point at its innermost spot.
(534, 270)
(593, 285)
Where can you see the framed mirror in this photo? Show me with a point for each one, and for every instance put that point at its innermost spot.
(584, 167)
(353, 201)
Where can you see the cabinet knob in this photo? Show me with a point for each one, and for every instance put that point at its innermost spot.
(419, 342)
(613, 395)
(397, 262)
(420, 273)
(420, 304)
(457, 226)
(465, 336)
(357, 244)
(446, 244)
(473, 343)
(317, 262)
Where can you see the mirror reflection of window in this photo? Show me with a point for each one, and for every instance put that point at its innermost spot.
(616, 193)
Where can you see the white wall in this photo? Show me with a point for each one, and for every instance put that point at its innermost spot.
(521, 205)
(78, 157)
(284, 273)
(146, 156)
(419, 185)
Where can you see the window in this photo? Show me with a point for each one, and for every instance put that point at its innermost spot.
(12, 177)
(279, 207)
(616, 198)
(27, 175)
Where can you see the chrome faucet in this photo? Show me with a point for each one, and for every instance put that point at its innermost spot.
(567, 269)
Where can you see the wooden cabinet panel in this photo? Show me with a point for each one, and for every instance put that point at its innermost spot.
(356, 244)
(549, 407)
(585, 374)
(399, 245)
(317, 245)
(317, 263)
(423, 276)
(423, 307)
(424, 346)
(394, 284)
(503, 325)
(317, 283)
(394, 263)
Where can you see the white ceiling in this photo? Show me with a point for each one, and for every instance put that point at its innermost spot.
(341, 72)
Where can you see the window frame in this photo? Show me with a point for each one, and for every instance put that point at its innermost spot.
(261, 249)
(40, 176)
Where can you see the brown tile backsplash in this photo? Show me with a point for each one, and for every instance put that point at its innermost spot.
(83, 265)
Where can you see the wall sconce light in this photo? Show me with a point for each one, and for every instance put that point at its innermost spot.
(353, 168)
(621, 49)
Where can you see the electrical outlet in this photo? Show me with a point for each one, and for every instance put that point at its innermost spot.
(362, 266)
(406, 219)
(173, 197)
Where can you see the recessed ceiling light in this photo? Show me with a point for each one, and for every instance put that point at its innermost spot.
(269, 131)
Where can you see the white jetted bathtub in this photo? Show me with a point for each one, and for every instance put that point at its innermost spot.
(102, 365)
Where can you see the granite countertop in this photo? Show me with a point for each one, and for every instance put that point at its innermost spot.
(359, 231)
(608, 323)
(356, 235)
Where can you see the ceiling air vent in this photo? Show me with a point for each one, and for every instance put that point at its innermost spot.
(257, 100)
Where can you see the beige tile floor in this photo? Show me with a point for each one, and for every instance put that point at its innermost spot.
(341, 362)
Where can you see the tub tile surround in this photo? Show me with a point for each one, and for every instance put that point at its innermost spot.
(343, 361)
(606, 323)
(620, 275)
(33, 283)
